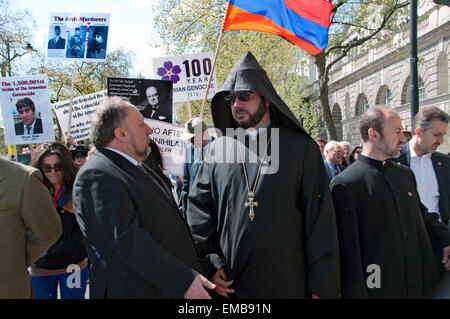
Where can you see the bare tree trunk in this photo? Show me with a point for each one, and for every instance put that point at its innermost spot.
(323, 96)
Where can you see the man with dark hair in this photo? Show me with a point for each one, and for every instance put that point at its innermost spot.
(56, 42)
(138, 243)
(97, 46)
(27, 112)
(384, 229)
(321, 143)
(431, 168)
(76, 45)
(261, 216)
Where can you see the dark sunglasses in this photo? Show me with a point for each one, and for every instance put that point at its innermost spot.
(243, 96)
(48, 168)
(80, 155)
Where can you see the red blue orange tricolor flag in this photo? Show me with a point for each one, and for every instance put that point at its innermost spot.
(303, 22)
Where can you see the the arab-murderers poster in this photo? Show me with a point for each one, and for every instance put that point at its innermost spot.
(26, 110)
(153, 98)
(171, 146)
(189, 73)
(83, 113)
(78, 36)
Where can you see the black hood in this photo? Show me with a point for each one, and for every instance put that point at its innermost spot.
(248, 75)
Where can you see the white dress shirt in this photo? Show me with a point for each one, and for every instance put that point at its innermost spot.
(427, 183)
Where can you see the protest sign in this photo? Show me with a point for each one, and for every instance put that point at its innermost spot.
(171, 146)
(26, 110)
(153, 98)
(84, 108)
(189, 74)
(78, 36)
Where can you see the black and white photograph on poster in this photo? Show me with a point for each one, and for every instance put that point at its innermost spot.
(26, 111)
(153, 98)
(85, 36)
(57, 40)
(76, 46)
(98, 37)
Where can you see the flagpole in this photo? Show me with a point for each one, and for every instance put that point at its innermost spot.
(71, 99)
(219, 41)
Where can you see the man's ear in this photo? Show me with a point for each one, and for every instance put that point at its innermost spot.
(418, 131)
(120, 134)
(373, 133)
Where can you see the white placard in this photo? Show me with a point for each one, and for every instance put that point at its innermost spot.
(171, 146)
(189, 74)
(78, 36)
(83, 113)
(26, 111)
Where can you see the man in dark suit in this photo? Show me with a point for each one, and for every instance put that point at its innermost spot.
(27, 112)
(56, 42)
(138, 243)
(154, 109)
(431, 168)
(385, 231)
(333, 155)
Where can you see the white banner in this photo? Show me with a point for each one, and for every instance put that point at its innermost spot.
(83, 113)
(171, 146)
(189, 74)
(78, 36)
(26, 111)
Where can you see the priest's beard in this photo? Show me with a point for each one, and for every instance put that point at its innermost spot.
(253, 119)
(387, 150)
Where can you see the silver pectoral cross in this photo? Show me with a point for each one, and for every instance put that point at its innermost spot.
(251, 204)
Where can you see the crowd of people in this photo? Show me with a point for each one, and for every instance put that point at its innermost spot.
(264, 210)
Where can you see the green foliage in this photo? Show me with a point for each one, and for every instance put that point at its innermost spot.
(15, 33)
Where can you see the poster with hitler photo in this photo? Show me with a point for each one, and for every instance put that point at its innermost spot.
(26, 110)
(78, 36)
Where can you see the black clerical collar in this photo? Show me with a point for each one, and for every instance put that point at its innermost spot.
(370, 160)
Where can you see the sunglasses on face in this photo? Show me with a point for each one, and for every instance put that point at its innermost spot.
(79, 155)
(243, 96)
(47, 168)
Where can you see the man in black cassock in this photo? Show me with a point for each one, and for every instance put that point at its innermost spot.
(384, 230)
(286, 246)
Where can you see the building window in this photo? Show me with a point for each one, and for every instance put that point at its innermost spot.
(421, 89)
(389, 99)
(362, 105)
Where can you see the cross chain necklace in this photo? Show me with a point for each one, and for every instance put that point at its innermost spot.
(251, 204)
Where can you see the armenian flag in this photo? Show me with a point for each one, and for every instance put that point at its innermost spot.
(303, 22)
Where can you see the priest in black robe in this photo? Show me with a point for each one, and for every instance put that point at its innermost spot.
(287, 245)
(384, 230)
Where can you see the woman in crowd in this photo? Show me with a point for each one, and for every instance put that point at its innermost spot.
(68, 253)
(355, 153)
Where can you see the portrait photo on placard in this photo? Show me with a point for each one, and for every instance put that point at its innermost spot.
(76, 43)
(97, 41)
(155, 99)
(57, 37)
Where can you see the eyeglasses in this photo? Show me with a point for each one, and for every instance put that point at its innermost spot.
(80, 155)
(243, 96)
(48, 168)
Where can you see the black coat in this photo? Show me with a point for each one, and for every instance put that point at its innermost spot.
(37, 127)
(290, 248)
(382, 222)
(441, 166)
(138, 243)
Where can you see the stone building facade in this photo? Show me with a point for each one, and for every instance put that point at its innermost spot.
(381, 75)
